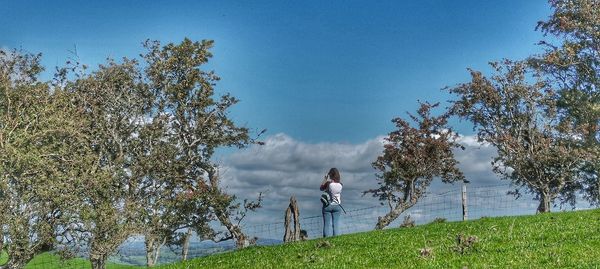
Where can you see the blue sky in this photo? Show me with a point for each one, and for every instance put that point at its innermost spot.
(335, 71)
(324, 77)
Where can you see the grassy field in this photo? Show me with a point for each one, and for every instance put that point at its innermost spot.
(3, 257)
(555, 240)
(51, 261)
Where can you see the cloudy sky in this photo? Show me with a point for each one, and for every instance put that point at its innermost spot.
(285, 166)
(324, 77)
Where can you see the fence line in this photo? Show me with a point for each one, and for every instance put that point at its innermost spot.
(482, 201)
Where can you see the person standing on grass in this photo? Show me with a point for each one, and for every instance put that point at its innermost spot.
(332, 211)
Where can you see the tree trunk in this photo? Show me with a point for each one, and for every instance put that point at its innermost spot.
(98, 261)
(234, 230)
(150, 252)
(153, 248)
(384, 221)
(223, 215)
(186, 245)
(292, 212)
(545, 203)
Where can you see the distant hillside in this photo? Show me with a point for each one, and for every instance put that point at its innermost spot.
(554, 240)
(134, 252)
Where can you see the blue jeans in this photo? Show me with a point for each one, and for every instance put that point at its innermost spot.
(331, 220)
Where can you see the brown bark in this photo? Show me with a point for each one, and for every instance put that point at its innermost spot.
(292, 212)
(153, 250)
(296, 214)
(384, 221)
(222, 214)
(98, 261)
(149, 256)
(235, 231)
(104, 244)
(544, 206)
(287, 234)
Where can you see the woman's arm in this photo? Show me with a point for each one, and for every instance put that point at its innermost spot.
(324, 184)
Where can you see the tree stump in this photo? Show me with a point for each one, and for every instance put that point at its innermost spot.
(292, 212)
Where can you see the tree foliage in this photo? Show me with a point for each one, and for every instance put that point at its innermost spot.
(519, 118)
(153, 132)
(93, 158)
(39, 143)
(193, 124)
(113, 102)
(412, 158)
(571, 63)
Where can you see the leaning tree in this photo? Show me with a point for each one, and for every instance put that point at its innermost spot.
(112, 103)
(151, 130)
(198, 123)
(515, 111)
(39, 145)
(412, 158)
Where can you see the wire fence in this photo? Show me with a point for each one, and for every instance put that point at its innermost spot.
(482, 201)
(478, 202)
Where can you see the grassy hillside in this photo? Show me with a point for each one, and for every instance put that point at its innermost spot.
(3, 257)
(556, 240)
(51, 261)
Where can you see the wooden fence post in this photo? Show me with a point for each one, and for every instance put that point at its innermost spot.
(292, 212)
(465, 209)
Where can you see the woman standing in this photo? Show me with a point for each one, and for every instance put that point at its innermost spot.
(331, 213)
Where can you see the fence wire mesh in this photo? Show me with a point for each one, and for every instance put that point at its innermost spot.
(482, 201)
(486, 201)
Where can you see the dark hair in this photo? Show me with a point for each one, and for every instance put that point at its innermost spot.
(334, 174)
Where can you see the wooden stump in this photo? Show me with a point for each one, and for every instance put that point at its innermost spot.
(292, 212)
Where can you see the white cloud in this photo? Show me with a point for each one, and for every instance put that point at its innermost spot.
(285, 166)
(476, 161)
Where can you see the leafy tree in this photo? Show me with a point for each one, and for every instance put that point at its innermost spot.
(113, 101)
(412, 158)
(519, 119)
(151, 133)
(198, 124)
(571, 62)
(167, 205)
(38, 147)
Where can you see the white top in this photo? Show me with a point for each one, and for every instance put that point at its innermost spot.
(335, 189)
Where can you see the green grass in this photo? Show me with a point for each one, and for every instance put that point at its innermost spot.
(3, 257)
(556, 240)
(52, 261)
